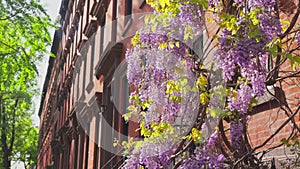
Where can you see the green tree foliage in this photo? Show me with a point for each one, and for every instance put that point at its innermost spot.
(27, 144)
(23, 41)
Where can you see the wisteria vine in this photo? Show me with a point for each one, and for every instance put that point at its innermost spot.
(174, 98)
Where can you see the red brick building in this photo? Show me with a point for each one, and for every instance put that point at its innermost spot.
(78, 101)
(89, 47)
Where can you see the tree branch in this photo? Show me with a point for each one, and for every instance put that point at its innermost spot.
(16, 50)
(268, 139)
(282, 108)
(292, 24)
(13, 15)
(224, 138)
(295, 74)
(179, 150)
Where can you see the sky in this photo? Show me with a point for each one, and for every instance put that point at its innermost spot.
(52, 8)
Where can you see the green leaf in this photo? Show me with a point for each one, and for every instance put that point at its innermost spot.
(188, 33)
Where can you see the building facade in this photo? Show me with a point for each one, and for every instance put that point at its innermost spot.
(86, 91)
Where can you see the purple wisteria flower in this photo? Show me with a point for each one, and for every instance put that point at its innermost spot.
(203, 158)
(161, 69)
(236, 131)
(132, 163)
(262, 3)
(297, 37)
(241, 101)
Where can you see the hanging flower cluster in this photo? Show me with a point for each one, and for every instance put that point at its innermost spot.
(169, 92)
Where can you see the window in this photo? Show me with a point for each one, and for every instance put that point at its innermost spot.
(114, 20)
(115, 9)
(92, 56)
(120, 88)
(102, 40)
(128, 11)
(113, 96)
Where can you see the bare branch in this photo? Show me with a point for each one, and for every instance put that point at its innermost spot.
(292, 24)
(269, 138)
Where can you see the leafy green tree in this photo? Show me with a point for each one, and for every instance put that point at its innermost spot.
(23, 41)
(26, 146)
